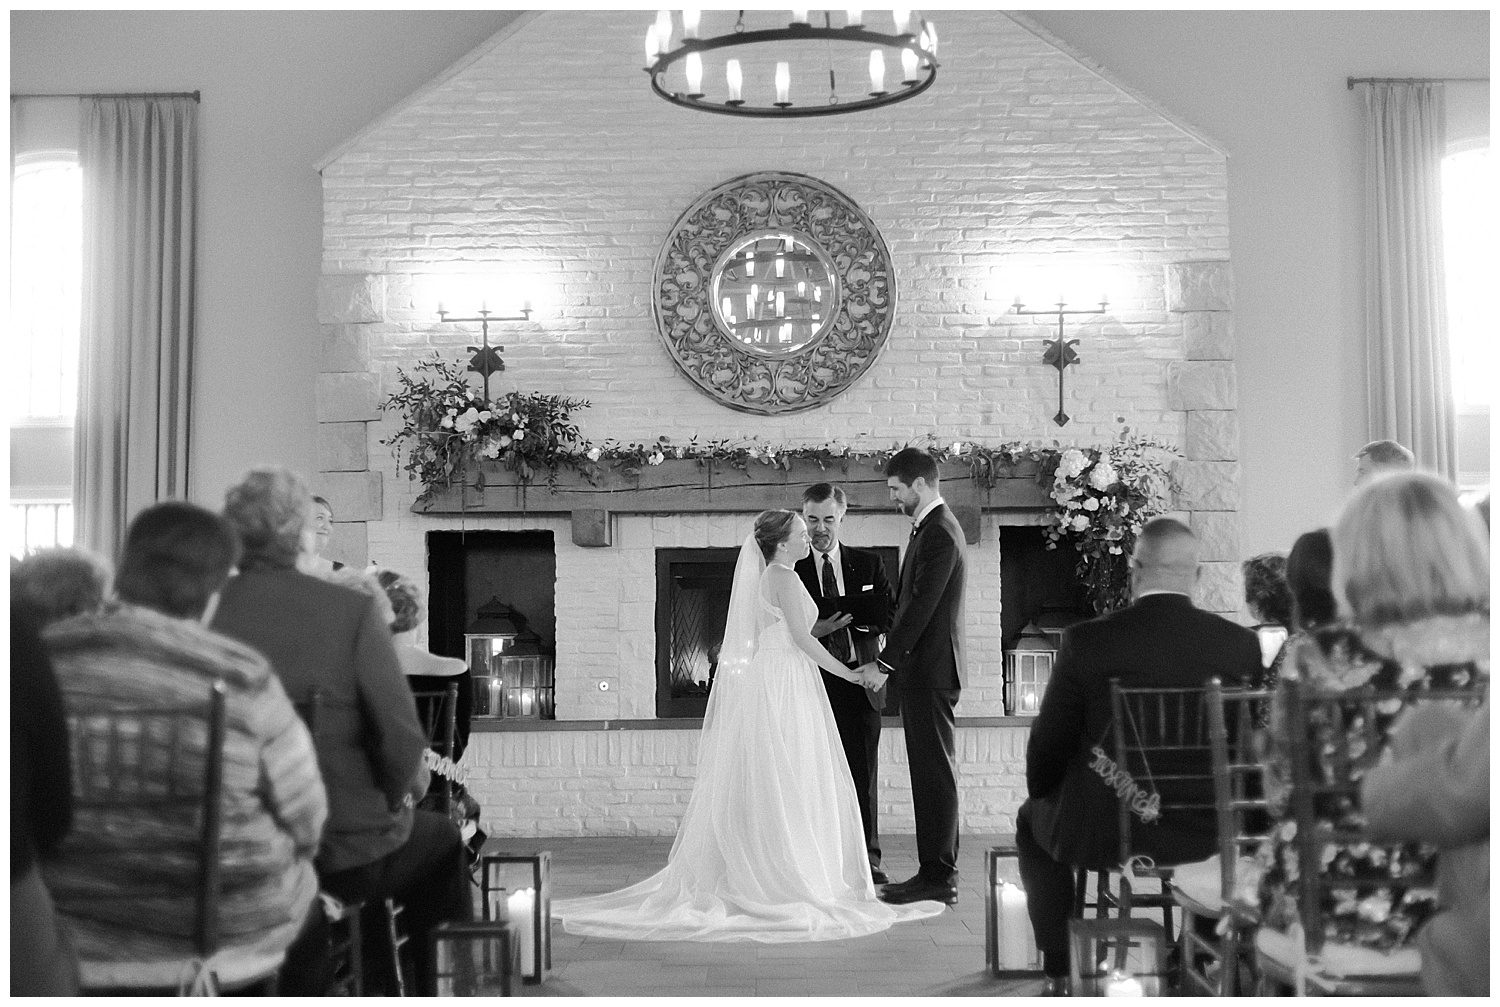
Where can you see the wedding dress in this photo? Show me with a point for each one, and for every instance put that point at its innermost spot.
(771, 847)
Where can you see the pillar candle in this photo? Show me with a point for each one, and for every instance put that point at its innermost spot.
(519, 906)
(1017, 946)
(1123, 984)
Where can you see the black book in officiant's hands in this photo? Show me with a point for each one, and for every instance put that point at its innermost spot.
(866, 609)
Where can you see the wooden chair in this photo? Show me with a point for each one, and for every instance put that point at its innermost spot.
(438, 710)
(1161, 740)
(1240, 812)
(119, 756)
(1334, 737)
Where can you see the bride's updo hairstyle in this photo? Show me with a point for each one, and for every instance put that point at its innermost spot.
(772, 527)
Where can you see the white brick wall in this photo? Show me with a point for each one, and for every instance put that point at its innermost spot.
(561, 172)
(626, 783)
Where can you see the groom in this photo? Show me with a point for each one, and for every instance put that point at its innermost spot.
(834, 570)
(924, 654)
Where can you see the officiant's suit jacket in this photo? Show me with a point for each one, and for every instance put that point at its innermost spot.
(864, 574)
(925, 644)
(1161, 641)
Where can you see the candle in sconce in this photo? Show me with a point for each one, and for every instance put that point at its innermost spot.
(783, 83)
(653, 47)
(799, 15)
(931, 45)
(440, 308)
(690, 20)
(526, 306)
(854, 18)
(1123, 984)
(695, 73)
(877, 71)
(902, 20)
(519, 907)
(734, 78)
(1029, 700)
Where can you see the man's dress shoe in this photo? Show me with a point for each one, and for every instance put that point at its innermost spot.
(878, 876)
(920, 890)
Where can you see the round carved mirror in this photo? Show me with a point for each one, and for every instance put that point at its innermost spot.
(774, 293)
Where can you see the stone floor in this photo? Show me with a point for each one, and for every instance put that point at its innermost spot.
(941, 956)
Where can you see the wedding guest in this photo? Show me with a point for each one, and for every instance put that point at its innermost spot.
(333, 640)
(312, 559)
(42, 958)
(151, 649)
(1436, 790)
(1071, 816)
(59, 583)
(1309, 578)
(425, 670)
(1378, 457)
(1411, 578)
(1269, 601)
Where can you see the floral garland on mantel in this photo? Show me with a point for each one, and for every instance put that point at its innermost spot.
(1103, 494)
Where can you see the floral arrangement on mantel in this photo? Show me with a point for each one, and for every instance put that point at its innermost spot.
(1103, 494)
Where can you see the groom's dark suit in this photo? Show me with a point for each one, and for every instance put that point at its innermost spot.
(856, 710)
(925, 652)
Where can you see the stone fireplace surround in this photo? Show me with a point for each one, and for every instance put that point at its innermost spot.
(1023, 153)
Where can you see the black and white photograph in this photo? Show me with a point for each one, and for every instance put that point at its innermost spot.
(750, 503)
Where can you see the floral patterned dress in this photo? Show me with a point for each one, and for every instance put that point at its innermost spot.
(1442, 652)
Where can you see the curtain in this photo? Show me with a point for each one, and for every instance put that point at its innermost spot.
(139, 161)
(1410, 390)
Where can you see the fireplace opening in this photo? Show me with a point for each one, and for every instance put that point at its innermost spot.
(492, 602)
(692, 603)
(1037, 584)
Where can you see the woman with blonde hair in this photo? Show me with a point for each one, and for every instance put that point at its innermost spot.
(1411, 577)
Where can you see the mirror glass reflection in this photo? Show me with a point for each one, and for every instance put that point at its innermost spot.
(774, 292)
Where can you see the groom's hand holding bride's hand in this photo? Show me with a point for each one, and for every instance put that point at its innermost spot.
(870, 675)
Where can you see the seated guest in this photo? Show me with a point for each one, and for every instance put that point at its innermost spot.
(423, 669)
(1071, 817)
(1436, 790)
(1411, 576)
(152, 649)
(58, 583)
(1378, 457)
(42, 959)
(1309, 579)
(321, 637)
(1269, 601)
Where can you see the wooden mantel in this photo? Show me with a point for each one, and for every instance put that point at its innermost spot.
(686, 486)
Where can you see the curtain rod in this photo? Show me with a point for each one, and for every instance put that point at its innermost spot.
(1416, 80)
(118, 94)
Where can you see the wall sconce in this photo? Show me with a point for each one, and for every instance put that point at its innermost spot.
(1060, 351)
(486, 359)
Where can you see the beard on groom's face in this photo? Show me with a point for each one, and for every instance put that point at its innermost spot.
(904, 496)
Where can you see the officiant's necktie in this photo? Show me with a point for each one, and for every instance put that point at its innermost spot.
(837, 643)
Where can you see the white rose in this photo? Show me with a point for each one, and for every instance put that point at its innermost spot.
(466, 422)
(1103, 476)
(491, 449)
(594, 454)
(655, 459)
(485, 416)
(1090, 504)
(504, 441)
(520, 434)
(1080, 522)
(446, 422)
(515, 418)
(1073, 462)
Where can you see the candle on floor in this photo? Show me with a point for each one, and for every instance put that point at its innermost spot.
(1016, 943)
(519, 908)
(1123, 984)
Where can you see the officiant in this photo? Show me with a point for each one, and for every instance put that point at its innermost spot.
(854, 608)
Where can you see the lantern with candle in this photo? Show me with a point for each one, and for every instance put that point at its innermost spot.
(1028, 666)
(1009, 944)
(512, 676)
(517, 888)
(475, 959)
(1117, 958)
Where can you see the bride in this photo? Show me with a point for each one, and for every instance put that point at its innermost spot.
(771, 847)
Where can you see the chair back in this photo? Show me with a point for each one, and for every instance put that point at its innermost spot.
(143, 758)
(1162, 745)
(438, 711)
(1240, 806)
(1334, 738)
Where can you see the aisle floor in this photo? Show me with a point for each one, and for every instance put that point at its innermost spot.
(941, 956)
